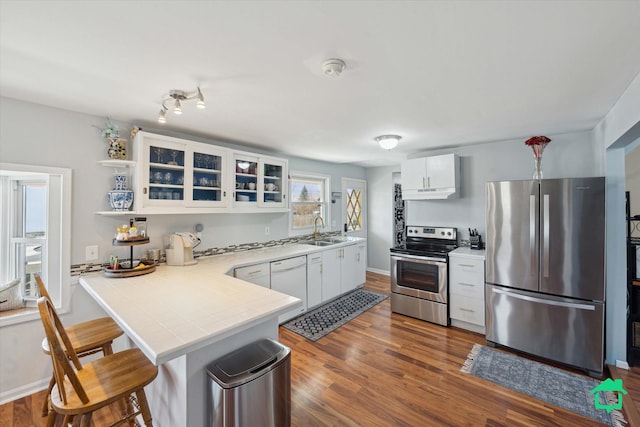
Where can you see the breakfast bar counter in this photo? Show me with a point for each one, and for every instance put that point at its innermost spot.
(183, 318)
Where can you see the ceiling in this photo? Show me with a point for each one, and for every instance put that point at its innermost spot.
(438, 73)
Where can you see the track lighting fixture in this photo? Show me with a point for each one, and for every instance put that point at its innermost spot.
(178, 97)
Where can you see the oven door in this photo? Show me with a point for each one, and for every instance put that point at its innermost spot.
(419, 277)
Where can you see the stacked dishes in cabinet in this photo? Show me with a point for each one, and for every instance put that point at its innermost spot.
(207, 177)
(166, 174)
(272, 184)
(246, 180)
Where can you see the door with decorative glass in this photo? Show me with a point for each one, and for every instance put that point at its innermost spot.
(354, 218)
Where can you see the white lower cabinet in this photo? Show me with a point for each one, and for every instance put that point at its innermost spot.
(331, 273)
(259, 274)
(344, 269)
(466, 289)
(354, 266)
(314, 279)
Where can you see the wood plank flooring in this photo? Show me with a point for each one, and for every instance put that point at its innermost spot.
(384, 369)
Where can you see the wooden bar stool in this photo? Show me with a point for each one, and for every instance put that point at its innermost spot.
(86, 338)
(80, 390)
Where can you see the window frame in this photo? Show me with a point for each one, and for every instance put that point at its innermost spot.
(326, 190)
(57, 265)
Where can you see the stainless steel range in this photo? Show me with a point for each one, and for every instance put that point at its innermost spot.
(419, 273)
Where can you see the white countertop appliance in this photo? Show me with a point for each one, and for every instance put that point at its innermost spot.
(180, 249)
(419, 273)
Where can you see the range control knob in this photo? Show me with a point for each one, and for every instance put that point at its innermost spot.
(448, 233)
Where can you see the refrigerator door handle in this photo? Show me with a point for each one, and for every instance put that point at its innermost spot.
(532, 229)
(545, 236)
(544, 301)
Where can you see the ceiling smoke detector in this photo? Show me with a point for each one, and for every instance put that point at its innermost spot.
(333, 67)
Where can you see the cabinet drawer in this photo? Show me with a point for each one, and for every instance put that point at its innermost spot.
(466, 265)
(467, 285)
(467, 309)
(252, 271)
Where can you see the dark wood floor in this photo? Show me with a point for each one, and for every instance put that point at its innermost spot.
(384, 369)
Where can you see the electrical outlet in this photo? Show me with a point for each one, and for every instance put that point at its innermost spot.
(267, 231)
(91, 253)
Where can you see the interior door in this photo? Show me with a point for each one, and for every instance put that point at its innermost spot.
(513, 234)
(354, 217)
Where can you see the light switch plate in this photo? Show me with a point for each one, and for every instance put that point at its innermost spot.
(91, 253)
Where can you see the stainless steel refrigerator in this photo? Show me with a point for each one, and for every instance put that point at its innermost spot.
(545, 271)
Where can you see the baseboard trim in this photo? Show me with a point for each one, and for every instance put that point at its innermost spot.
(375, 270)
(24, 390)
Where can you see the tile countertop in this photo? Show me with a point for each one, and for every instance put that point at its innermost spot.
(468, 253)
(177, 310)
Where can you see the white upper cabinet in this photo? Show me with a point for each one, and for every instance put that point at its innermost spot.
(259, 181)
(435, 177)
(273, 182)
(174, 175)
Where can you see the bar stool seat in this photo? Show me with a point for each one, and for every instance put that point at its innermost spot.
(87, 338)
(79, 389)
(91, 337)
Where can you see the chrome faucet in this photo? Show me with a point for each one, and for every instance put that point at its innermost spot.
(316, 231)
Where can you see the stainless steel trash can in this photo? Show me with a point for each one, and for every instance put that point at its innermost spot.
(251, 386)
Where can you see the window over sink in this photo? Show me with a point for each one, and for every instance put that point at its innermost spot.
(308, 198)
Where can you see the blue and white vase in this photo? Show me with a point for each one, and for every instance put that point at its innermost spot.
(120, 198)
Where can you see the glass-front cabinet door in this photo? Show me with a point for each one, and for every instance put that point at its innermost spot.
(208, 178)
(164, 173)
(245, 180)
(273, 182)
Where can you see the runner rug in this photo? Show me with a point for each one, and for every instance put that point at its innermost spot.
(318, 322)
(552, 385)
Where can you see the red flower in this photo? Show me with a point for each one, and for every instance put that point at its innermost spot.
(537, 140)
(537, 144)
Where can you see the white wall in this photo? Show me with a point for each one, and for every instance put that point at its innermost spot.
(619, 129)
(35, 134)
(568, 155)
(632, 177)
(380, 215)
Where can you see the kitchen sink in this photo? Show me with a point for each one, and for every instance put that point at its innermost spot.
(320, 243)
(336, 239)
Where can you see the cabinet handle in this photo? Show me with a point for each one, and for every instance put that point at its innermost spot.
(358, 257)
(144, 190)
(466, 284)
(428, 182)
(468, 310)
(424, 182)
(466, 265)
(321, 266)
(254, 272)
(224, 194)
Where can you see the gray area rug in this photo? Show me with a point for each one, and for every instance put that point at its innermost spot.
(552, 385)
(320, 321)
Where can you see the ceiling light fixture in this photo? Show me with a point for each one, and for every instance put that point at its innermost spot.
(178, 97)
(333, 67)
(388, 142)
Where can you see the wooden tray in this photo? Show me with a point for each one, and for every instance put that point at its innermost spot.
(131, 242)
(149, 267)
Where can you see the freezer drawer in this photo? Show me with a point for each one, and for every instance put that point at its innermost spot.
(560, 329)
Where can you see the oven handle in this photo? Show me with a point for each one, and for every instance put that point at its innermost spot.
(422, 259)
